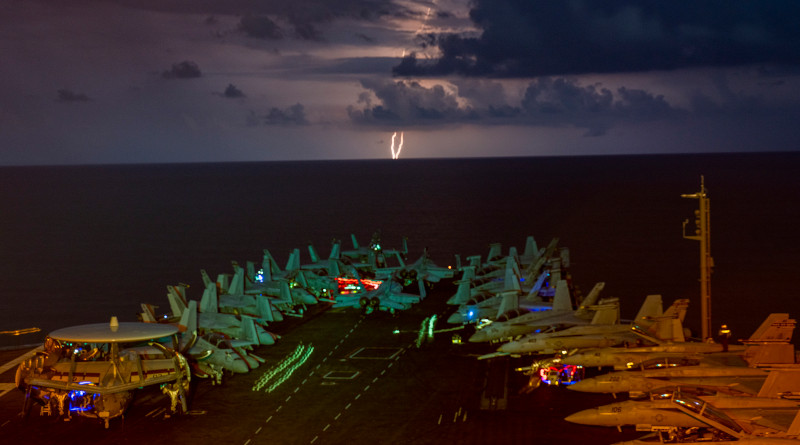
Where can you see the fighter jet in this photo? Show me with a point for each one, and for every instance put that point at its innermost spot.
(424, 269)
(93, 370)
(710, 374)
(269, 281)
(659, 411)
(604, 330)
(768, 344)
(686, 418)
(387, 297)
(487, 304)
(219, 342)
(520, 321)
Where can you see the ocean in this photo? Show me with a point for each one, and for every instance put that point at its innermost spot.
(79, 244)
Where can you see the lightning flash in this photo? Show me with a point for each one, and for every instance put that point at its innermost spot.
(396, 154)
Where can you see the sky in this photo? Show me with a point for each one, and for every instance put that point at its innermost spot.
(162, 81)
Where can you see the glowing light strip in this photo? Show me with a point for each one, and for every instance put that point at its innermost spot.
(283, 370)
(431, 324)
(21, 331)
(422, 332)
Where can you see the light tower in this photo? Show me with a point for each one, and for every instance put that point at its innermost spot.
(702, 233)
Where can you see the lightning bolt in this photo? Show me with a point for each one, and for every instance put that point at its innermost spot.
(396, 154)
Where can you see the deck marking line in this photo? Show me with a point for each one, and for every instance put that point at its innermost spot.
(288, 398)
(326, 427)
(259, 429)
(348, 406)
(366, 388)
(246, 441)
(335, 418)
(314, 439)
(268, 419)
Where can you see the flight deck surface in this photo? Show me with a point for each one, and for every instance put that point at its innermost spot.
(354, 380)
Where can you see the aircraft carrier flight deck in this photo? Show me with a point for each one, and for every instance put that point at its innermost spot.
(337, 376)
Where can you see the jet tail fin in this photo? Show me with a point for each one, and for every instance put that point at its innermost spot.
(651, 308)
(206, 278)
(771, 342)
(462, 292)
(495, 252)
(510, 302)
(294, 260)
(209, 302)
(189, 318)
(177, 302)
(286, 293)
(237, 283)
(148, 314)
(336, 250)
(606, 314)
(511, 280)
(249, 330)
(562, 300)
(780, 382)
(312, 253)
(590, 299)
(669, 326)
(264, 308)
(531, 249)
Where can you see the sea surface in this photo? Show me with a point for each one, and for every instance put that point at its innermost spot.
(79, 244)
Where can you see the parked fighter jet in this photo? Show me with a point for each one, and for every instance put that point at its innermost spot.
(486, 305)
(770, 343)
(680, 417)
(520, 321)
(387, 297)
(223, 341)
(658, 412)
(93, 370)
(710, 375)
(604, 330)
(423, 269)
(268, 284)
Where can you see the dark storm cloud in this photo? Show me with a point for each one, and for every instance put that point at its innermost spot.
(524, 38)
(300, 13)
(183, 70)
(294, 115)
(260, 27)
(232, 92)
(546, 102)
(407, 103)
(70, 96)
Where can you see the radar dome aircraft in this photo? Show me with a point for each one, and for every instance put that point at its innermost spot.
(93, 370)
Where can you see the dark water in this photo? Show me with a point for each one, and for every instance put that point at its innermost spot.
(79, 244)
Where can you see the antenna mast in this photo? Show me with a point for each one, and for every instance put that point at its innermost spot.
(702, 233)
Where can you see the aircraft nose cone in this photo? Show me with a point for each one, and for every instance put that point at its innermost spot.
(585, 417)
(585, 385)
